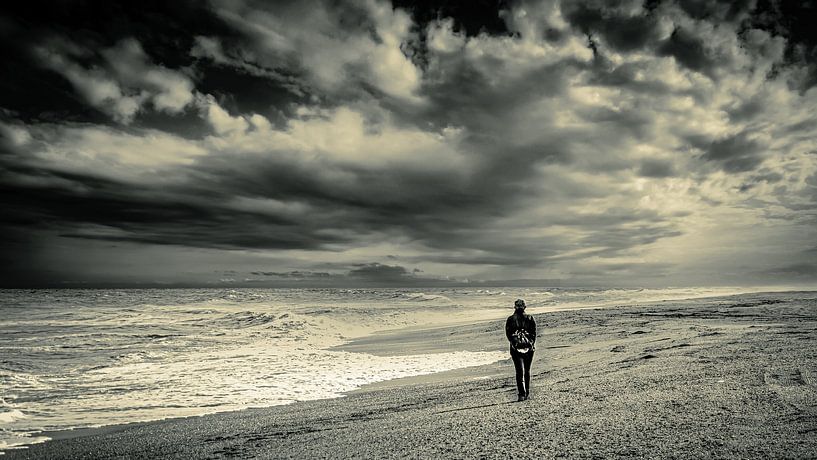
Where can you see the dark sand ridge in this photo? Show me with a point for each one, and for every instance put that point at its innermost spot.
(717, 378)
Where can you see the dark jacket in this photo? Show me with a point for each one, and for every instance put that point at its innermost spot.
(521, 321)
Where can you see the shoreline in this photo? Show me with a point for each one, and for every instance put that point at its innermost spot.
(371, 344)
(574, 345)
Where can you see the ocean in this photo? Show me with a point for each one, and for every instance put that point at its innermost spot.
(76, 358)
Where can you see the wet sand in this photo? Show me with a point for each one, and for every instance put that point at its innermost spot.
(732, 377)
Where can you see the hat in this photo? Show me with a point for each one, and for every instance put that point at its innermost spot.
(519, 304)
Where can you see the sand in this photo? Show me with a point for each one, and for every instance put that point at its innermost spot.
(725, 378)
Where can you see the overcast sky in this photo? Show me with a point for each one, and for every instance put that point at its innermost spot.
(656, 143)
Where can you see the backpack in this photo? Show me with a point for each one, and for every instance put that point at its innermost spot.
(520, 341)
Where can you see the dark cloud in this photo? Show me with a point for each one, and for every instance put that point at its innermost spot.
(166, 29)
(735, 153)
(747, 110)
(802, 126)
(34, 92)
(461, 94)
(472, 17)
(380, 272)
(364, 274)
(336, 130)
(795, 21)
(656, 168)
(78, 206)
(616, 241)
(622, 33)
(689, 51)
(402, 196)
(719, 10)
(198, 208)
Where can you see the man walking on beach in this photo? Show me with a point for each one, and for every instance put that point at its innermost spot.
(520, 329)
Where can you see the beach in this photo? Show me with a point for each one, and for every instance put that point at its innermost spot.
(729, 377)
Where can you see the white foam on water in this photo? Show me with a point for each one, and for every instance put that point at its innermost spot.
(151, 362)
(261, 375)
(265, 373)
(10, 416)
(9, 438)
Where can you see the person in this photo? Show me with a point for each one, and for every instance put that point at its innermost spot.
(520, 329)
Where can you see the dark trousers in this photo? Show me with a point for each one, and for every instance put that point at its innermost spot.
(522, 361)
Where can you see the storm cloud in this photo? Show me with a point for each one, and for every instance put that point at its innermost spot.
(407, 143)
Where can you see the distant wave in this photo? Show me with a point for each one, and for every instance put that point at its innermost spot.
(247, 318)
(423, 297)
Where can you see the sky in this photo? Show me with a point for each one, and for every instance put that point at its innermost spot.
(371, 143)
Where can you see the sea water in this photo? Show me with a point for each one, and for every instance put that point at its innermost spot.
(74, 358)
